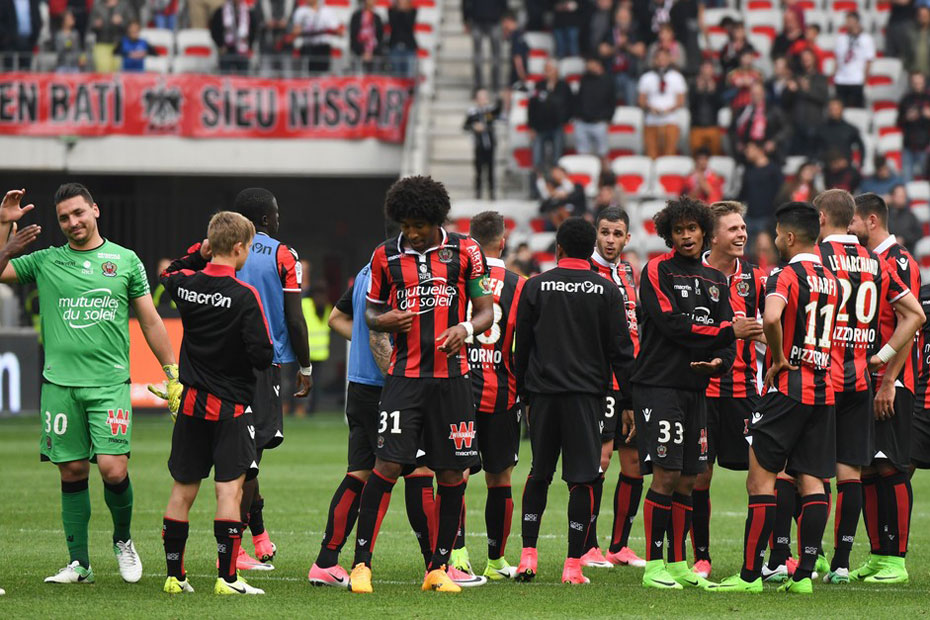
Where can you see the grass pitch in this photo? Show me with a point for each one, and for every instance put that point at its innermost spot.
(298, 480)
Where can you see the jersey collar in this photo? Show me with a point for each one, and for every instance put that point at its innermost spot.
(705, 259)
(882, 247)
(600, 260)
(403, 250)
(806, 257)
(494, 262)
(845, 239)
(575, 263)
(212, 269)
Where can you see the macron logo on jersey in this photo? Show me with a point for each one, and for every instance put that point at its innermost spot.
(572, 287)
(217, 300)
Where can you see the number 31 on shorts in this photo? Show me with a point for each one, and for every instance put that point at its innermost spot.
(58, 424)
(395, 422)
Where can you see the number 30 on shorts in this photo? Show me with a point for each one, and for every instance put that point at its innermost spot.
(395, 422)
(58, 424)
(665, 428)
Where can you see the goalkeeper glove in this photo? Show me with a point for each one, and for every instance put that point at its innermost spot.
(172, 390)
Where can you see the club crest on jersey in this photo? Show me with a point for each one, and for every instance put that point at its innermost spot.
(742, 288)
(445, 255)
(118, 421)
(714, 293)
(109, 269)
(424, 273)
(462, 434)
(661, 451)
(380, 441)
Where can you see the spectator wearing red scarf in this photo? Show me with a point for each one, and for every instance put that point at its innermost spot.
(366, 34)
(760, 122)
(741, 79)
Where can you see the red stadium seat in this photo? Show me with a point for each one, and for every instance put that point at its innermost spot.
(538, 224)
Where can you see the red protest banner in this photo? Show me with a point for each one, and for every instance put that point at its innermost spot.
(204, 106)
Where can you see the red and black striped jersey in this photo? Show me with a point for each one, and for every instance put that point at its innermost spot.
(435, 285)
(903, 264)
(866, 285)
(811, 294)
(922, 396)
(621, 274)
(747, 299)
(490, 355)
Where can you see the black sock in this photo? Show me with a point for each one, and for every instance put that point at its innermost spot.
(828, 492)
(899, 501)
(846, 521)
(598, 488)
(228, 539)
(174, 536)
(760, 519)
(627, 496)
(421, 511)
(873, 513)
(657, 513)
(580, 509)
(534, 505)
(700, 524)
(498, 513)
(811, 523)
(343, 511)
(449, 499)
(460, 534)
(785, 494)
(678, 527)
(257, 519)
(373, 505)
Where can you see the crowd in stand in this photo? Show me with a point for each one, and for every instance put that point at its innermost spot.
(108, 35)
(787, 101)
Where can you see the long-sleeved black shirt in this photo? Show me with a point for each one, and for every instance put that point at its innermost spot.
(686, 318)
(225, 333)
(571, 334)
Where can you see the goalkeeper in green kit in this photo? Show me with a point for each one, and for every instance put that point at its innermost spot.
(85, 289)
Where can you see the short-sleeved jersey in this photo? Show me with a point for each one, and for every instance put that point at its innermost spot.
(922, 396)
(490, 354)
(747, 299)
(621, 274)
(435, 285)
(811, 294)
(84, 296)
(901, 262)
(866, 286)
(273, 269)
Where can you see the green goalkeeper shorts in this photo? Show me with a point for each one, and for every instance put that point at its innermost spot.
(79, 423)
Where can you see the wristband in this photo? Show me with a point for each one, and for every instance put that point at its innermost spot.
(306, 370)
(469, 328)
(886, 353)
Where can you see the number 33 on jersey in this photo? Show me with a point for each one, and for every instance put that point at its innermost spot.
(490, 354)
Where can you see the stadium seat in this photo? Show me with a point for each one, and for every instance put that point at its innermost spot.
(759, 5)
(647, 211)
(519, 137)
(859, 118)
(583, 169)
(885, 122)
(634, 174)
(570, 69)
(919, 194)
(886, 72)
(535, 66)
(714, 42)
(767, 23)
(157, 64)
(625, 134)
(845, 6)
(652, 246)
(670, 174)
(541, 44)
(882, 96)
(890, 145)
(161, 39)
(196, 51)
(726, 168)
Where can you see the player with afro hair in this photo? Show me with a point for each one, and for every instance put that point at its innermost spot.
(684, 209)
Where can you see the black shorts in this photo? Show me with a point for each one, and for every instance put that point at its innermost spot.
(893, 436)
(801, 439)
(267, 408)
(362, 416)
(920, 439)
(227, 446)
(727, 427)
(499, 439)
(610, 417)
(570, 425)
(672, 429)
(435, 415)
(855, 428)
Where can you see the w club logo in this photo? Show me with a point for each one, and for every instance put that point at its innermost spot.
(118, 421)
(462, 434)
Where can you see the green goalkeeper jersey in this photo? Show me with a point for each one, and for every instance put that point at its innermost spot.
(84, 309)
